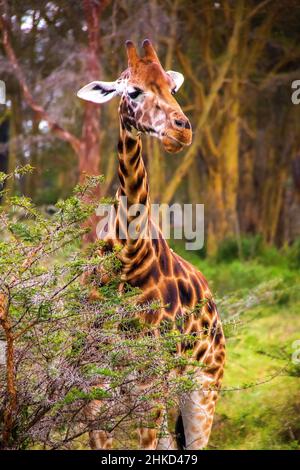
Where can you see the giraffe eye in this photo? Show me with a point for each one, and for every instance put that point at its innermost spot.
(134, 94)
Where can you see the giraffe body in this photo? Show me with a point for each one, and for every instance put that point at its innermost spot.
(147, 261)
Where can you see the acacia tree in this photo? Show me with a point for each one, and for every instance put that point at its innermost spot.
(69, 342)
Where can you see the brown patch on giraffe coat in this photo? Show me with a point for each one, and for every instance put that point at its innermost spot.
(155, 244)
(137, 183)
(218, 338)
(154, 272)
(220, 356)
(165, 263)
(130, 144)
(122, 182)
(148, 277)
(201, 351)
(149, 296)
(205, 324)
(186, 293)
(177, 267)
(122, 167)
(139, 265)
(170, 295)
(213, 370)
(134, 158)
(197, 287)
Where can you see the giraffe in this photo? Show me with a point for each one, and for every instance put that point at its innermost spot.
(147, 106)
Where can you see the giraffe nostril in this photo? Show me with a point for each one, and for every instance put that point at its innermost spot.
(180, 123)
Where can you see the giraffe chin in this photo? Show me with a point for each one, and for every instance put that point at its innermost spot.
(172, 145)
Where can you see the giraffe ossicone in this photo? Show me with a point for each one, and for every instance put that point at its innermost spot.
(147, 105)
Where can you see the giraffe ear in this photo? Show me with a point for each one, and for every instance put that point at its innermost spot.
(98, 92)
(177, 78)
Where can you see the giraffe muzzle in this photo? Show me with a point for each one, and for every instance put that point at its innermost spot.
(172, 145)
(178, 136)
(182, 124)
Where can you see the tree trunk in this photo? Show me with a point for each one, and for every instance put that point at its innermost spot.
(4, 139)
(230, 159)
(89, 154)
(217, 224)
(11, 387)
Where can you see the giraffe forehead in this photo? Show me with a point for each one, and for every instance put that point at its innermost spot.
(149, 76)
(157, 79)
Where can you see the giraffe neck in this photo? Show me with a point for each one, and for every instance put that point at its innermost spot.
(133, 191)
(132, 171)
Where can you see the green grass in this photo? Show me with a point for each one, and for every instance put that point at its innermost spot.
(265, 415)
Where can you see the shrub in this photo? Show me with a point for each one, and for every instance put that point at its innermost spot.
(64, 346)
(249, 247)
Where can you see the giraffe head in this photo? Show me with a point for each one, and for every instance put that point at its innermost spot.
(147, 103)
